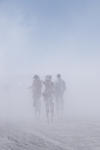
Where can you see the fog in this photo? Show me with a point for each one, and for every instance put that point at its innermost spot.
(33, 43)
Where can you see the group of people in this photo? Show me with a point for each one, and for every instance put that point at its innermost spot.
(51, 92)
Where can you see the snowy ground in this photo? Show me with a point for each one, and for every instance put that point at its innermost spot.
(65, 135)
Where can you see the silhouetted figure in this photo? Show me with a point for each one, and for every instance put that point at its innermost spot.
(48, 97)
(60, 88)
(36, 90)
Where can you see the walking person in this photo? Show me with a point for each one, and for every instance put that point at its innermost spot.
(60, 87)
(48, 97)
(37, 91)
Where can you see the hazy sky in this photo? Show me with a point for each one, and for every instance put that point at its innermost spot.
(51, 36)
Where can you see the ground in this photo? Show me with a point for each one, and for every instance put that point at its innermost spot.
(61, 135)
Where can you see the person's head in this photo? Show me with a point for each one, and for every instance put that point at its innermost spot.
(36, 77)
(59, 76)
(48, 77)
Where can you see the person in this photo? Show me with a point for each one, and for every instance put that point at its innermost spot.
(48, 97)
(60, 87)
(37, 91)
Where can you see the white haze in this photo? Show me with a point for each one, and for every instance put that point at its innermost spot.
(17, 66)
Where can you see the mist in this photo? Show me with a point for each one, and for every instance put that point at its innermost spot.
(33, 41)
